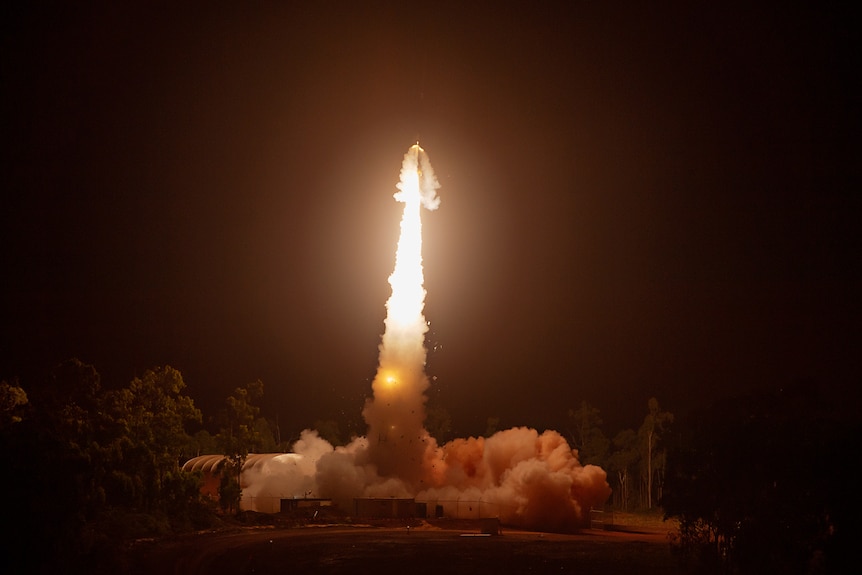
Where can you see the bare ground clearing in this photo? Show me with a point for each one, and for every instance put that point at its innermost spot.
(452, 548)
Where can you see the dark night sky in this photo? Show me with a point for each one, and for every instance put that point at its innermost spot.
(636, 202)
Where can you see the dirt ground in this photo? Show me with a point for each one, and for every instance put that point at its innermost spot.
(424, 548)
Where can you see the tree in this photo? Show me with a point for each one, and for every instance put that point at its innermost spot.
(655, 424)
(72, 411)
(237, 438)
(766, 483)
(586, 435)
(89, 468)
(54, 458)
(152, 414)
(201, 443)
(238, 435)
(71, 404)
(623, 459)
(264, 429)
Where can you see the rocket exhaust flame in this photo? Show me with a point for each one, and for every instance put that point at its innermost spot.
(396, 414)
(525, 478)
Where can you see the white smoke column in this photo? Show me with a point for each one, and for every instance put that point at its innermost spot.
(267, 479)
(397, 441)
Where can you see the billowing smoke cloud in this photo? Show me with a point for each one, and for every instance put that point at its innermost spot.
(519, 475)
(524, 477)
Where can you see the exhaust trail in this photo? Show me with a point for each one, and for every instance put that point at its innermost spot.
(523, 477)
(397, 440)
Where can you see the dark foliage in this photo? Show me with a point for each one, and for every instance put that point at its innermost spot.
(763, 484)
(85, 471)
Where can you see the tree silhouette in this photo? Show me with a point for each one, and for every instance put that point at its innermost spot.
(621, 462)
(237, 438)
(586, 435)
(655, 424)
(763, 483)
(152, 414)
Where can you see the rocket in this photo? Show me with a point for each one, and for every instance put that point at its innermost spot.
(417, 149)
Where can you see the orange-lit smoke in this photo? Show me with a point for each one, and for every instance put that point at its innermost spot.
(524, 477)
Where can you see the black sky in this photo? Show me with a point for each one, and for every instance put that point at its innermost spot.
(636, 201)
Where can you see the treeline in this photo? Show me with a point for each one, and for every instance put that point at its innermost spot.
(634, 459)
(766, 483)
(87, 469)
(758, 483)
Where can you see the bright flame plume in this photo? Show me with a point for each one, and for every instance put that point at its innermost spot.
(396, 413)
(523, 477)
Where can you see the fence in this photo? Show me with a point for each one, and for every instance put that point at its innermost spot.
(465, 508)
